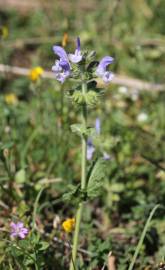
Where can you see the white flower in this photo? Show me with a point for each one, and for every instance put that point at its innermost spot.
(142, 117)
(123, 90)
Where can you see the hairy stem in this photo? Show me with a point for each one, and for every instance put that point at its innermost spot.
(83, 184)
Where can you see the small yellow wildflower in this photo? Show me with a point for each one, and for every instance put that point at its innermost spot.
(35, 73)
(11, 99)
(4, 32)
(68, 225)
(65, 39)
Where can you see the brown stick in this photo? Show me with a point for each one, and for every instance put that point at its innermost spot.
(118, 79)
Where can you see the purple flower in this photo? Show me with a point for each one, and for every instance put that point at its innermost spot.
(61, 70)
(106, 156)
(77, 56)
(90, 146)
(90, 149)
(61, 53)
(97, 126)
(102, 71)
(61, 67)
(18, 229)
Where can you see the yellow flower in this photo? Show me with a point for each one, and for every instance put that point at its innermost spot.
(68, 225)
(11, 99)
(35, 73)
(4, 32)
(65, 39)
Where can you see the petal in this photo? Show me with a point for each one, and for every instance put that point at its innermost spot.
(65, 65)
(90, 151)
(97, 125)
(13, 226)
(100, 71)
(24, 230)
(60, 52)
(107, 77)
(89, 142)
(61, 77)
(105, 61)
(57, 67)
(13, 234)
(20, 225)
(75, 58)
(21, 235)
(61, 70)
(78, 44)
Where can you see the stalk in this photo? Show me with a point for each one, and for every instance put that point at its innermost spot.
(83, 184)
(140, 243)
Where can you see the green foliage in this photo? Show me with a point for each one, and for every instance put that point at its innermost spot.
(27, 253)
(90, 98)
(97, 178)
(72, 193)
(80, 130)
(37, 148)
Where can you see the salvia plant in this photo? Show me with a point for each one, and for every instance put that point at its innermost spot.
(83, 69)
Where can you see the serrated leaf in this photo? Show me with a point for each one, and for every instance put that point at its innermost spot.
(78, 129)
(78, 97)
(73, 190)
(81, 130)
(96, 178)
(91, 98)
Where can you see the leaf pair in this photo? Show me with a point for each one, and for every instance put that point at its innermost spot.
(96, 178)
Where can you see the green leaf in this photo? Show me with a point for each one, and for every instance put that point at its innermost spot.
(6, 145)
(73, 190)
(43, 245)
(20, 176)
(91, 98)
(96, 178)
(78, 97)
(78, 129)
(11, 268)
(117, 187)
(81, 130)
(2, 258)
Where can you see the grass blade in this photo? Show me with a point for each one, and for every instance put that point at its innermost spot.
(142, 237)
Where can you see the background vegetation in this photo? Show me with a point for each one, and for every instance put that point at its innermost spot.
(38, 149)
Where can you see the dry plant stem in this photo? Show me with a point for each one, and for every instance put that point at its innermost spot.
(131, 83)
(83, 183)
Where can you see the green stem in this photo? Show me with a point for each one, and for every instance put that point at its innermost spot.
(140, 243)
(24, 152)
(36, 208)
(83, 184)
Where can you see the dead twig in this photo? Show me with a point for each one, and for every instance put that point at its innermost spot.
(111, 262)
(118, 79)
(19, 43)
